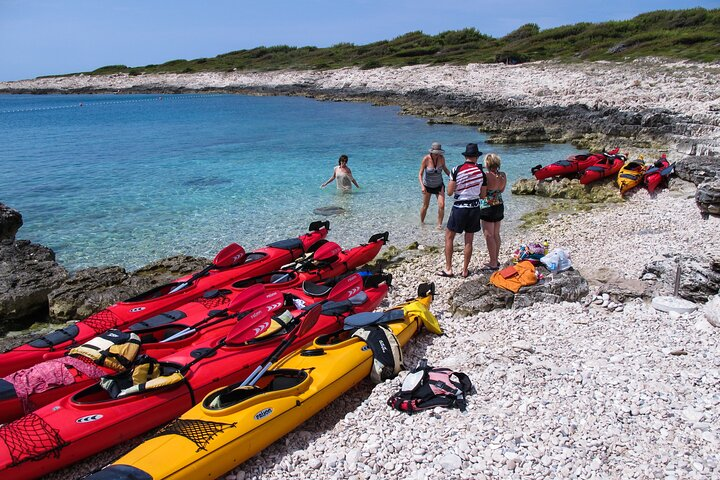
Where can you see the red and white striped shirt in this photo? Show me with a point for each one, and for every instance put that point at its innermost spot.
(469, 178)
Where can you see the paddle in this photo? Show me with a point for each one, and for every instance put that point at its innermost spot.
(249, 299)
(257, 322)
(364, 319)
(325, 253)
(306, 324)
(229, 256)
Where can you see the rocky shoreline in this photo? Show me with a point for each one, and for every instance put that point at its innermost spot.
(603, 387)
(646, 103)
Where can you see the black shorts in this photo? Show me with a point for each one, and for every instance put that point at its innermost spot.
(434, 190)
(493, 213)
(464, 220)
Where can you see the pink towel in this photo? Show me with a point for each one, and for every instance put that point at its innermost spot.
(48, 374)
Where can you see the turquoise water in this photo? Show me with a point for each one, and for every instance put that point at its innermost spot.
(127, 179)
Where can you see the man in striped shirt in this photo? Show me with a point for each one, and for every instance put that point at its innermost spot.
(467, 185)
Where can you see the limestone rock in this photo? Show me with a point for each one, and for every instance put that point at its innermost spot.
(92, 289)
(699, 278)
(707, 198)
(28, 272)
(612, 283)
(698, 169)
(712, 311)
(596, 192)
(10, 222)
(479, 295)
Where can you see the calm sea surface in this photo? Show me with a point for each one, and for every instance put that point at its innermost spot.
(127, 179)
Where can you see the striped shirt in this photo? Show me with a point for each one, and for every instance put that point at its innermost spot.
(469, 178)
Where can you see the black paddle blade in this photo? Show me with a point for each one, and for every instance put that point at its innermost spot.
(317, 225)
(425, 289)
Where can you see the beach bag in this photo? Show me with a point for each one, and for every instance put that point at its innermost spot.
(387, 354)
(429, 387)
(515, 277)
(557, 261)
(531, 251)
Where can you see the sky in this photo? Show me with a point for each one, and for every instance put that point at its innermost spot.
(45, 37)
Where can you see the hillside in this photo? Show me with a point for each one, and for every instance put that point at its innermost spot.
(692, 34)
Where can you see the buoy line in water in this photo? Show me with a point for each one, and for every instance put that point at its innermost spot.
(173, 97)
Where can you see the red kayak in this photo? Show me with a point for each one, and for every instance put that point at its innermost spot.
(33, 387)
(609, 165)
(157, 305)
(570, 166)
(115, 409)
(658, 173)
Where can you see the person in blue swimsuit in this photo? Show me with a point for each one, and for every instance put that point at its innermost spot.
(431, 181)
(492, 209)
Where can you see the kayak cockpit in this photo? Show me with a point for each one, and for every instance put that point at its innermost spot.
(115, 387)
(273, 384)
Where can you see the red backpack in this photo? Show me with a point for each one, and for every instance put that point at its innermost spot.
(429, 387)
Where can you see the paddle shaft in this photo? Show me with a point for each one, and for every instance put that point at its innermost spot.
(193, 278)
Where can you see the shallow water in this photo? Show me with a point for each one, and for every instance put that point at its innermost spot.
(127, 179)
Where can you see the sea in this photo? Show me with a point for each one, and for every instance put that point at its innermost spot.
(129, 179)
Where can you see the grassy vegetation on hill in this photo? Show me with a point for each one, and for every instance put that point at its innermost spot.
(692, 34)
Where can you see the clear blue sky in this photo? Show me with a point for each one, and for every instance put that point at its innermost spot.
(42, 37)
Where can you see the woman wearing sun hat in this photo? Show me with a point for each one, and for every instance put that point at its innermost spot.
(431, 181)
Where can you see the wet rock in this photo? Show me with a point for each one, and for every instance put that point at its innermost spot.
(92, 289)
(10, 222)
(28, 272)
(329, 211)
(479, 295)
(596, 192)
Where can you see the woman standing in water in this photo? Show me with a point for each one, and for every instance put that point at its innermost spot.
(343, 176)
(431, 181)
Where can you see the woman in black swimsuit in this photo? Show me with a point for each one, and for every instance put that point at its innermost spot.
(492, 209)
(431, 181)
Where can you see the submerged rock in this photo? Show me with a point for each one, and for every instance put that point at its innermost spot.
(328, 211)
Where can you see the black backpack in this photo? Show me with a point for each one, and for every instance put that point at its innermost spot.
(429, 387)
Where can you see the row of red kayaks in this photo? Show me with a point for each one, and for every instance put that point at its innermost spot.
(71, 393)
(595, 166)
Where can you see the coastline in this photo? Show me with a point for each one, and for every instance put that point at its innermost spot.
(564, 389)
(648, 103)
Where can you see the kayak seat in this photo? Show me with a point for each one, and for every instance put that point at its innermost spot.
(315, 290)
(275, 381)
(338, 308)
(253, 257)
(158, 320)
(7, 390)
(563, 163)
(289, 244)
(57, 337)
(630, 176)
(596, 169)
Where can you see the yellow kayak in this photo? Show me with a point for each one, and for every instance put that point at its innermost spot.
(631, 175)
(234, 423)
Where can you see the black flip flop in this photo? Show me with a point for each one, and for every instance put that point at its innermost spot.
(443, 273)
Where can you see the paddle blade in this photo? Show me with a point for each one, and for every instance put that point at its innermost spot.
(253, 325)
(327, 251)
(231, 255)
(346, 288)
(270, 301)
(309, 321)
(246, 297)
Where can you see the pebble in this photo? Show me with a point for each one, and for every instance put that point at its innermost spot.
(610, 403)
